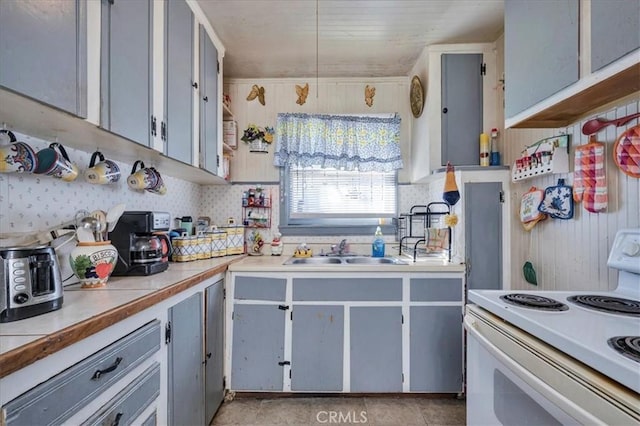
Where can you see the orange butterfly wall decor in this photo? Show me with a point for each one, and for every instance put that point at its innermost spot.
(302, 93)
(256, 92)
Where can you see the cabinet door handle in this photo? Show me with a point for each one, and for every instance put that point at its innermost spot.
(208, 356)
(99, 373)
(445, 110)
(283, 363)
(206, 99)
(194, 85)
(116, 421)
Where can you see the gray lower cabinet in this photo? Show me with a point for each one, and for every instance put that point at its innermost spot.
(376, 349)
(461, 113)
(615, 30)
(180, 85)
(317, 348)
(126, 58)
(43, 46)
(436, 349)
(540, 50)
(258, 347)
(214, 350)
(185, 363)
(208, 103)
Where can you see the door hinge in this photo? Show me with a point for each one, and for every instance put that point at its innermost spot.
(289, 373)
(291, 315)
(167, 333)
(218, 66)
(283, 363)
(163, 131)
(501, 196)
(232, 315)
(224, 382)
(402, 377)
(283, 307)
(483, 69)
(153, 125)
(217, 161)
(402, 319)
(224, 293)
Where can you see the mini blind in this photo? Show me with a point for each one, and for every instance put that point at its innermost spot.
(327, 193)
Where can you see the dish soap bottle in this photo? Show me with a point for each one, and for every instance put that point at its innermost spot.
(377, 248)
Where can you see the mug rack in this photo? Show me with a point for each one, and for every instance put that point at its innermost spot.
(550, 155)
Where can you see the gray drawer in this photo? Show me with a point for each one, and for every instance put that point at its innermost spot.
(255, 288)
(129, 403)
(347, 289)
(60, 397)
(436, 290)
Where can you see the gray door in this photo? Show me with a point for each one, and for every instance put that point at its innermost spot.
(43, 46)
(208, 103)
(540, 50)
(213, 349)
(180, 84)
(376, 349)
(317, 348)
(483, 235)
(126, 82)
(615, 30)
(186, 382)
(436, 349)
(258, 347)
(461, 108)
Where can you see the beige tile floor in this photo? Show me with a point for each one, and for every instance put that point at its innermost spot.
(368, 410)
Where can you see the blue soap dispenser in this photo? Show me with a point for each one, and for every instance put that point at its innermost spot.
(377, 248)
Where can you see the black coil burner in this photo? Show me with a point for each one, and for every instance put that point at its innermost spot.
(628, 346)
(534, 301)
(614, 305)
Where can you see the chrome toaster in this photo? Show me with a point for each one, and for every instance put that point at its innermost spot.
(31, 282)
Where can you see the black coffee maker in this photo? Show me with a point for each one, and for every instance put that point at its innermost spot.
(142, 243)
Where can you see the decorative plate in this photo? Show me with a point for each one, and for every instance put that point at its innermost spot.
(626, 152)
(416, 96)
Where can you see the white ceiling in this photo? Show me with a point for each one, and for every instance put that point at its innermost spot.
(355, 38)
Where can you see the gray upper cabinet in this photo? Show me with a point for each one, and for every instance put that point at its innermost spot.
(185, 363)
(43, 46)
(541, 50)
(615, 30)
(126, 81)
(208, 103)
(461, 108)
(180, 86)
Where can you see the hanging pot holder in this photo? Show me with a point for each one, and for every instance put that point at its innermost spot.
(558, 201)
(529, 213)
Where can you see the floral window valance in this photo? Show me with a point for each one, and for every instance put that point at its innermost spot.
(364, 143)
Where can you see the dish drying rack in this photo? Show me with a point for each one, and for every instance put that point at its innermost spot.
(410, 228)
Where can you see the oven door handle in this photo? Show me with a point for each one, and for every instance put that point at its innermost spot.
(584, 417)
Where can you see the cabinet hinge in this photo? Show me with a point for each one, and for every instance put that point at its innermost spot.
(402, 319)
(167, 333)
(232, 315)
(217, 161)
(218, 66)
(283, 307)
(292, 315)
(163, 131)
(224, 293)
(483, 69)
(283, 363)
(501, 197)
(224, 382)
(402, 377)
(112, 1)
(153, 126)
(289, 373)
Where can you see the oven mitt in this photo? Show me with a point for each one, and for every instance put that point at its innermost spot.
(589, 179)
(558, 201)
(529, 213)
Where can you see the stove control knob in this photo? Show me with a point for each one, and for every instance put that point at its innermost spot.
(631, 248)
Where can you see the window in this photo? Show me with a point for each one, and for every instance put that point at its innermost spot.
(338, 173)
(316, 198)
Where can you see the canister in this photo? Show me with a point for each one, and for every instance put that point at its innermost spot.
(184, 248)
(218, 242)
(235, 239)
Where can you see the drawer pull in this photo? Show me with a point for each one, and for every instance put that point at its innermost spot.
(116, 421)
(99, 373)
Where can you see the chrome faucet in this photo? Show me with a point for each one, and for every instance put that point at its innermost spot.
(341, 247)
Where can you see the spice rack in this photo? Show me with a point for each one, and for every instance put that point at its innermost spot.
(410, 228)
(550, 155)
(256, 208)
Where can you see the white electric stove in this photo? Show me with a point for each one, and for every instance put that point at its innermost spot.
(573, 357)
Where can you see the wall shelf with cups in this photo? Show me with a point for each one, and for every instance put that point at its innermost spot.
(550, 155)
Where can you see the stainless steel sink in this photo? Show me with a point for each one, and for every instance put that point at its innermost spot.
(313, 261)
(351, 260)
(375, 261)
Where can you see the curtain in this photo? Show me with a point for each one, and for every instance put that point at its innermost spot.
(344, 142)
